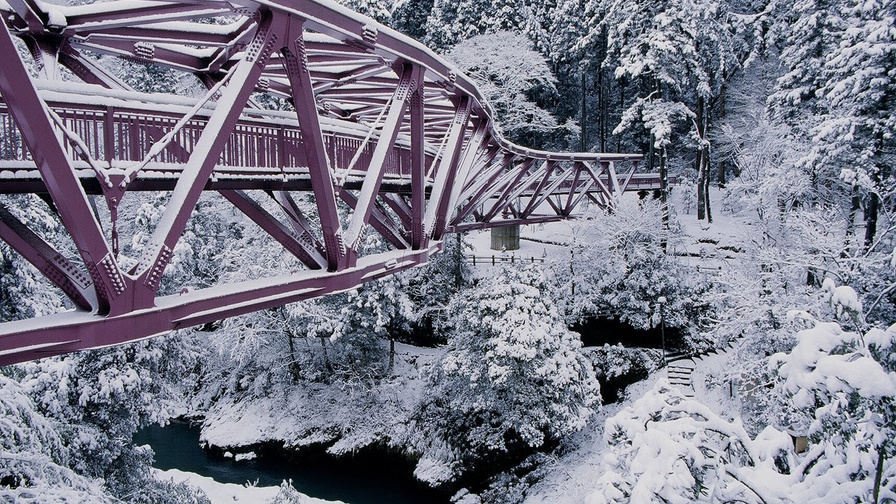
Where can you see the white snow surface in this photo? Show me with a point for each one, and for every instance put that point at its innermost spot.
(319, 413)
(574, 477)
(229, 493)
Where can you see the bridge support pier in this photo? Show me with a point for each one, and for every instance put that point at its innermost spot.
(506, 238)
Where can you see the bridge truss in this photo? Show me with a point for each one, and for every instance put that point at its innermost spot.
(381, 131)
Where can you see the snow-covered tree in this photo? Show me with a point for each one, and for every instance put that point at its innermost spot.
(682, 52)
(512, 381)
(451, 21)
(844, 382)
(617, 265)
(515, 79)
(669, 448)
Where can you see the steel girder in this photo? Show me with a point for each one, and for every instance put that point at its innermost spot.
(378, 130)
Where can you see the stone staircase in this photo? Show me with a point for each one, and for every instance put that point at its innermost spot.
(679, 368)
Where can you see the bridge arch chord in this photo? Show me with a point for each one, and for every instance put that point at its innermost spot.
(314, 122)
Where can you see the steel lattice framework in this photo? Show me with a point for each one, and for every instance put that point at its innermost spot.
(382, 131)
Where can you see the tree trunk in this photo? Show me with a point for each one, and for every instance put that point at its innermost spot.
(391, 354)
(601, 110)
(458, 270)
(878, 473)
(706, 186)
(651, 152)
(721, 101)
(871, 212)
(621, 108)
(294, 370)
(327, 365)
(702, 162)
(584, 125)
(664, 196)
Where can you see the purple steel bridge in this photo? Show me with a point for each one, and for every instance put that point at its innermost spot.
(380, 130)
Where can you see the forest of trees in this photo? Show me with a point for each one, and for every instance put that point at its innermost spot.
(789, 109)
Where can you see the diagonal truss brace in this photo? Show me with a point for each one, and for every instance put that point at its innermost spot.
(295, 57)
(53, 265)
(205, 154)
(410, 78)
(58, 174)
(303, 251)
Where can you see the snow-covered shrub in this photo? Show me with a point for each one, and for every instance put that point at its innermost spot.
(98, 399)
(512, 380)
(668, 448)
(845, 385)
(34, 458)
(618, 266)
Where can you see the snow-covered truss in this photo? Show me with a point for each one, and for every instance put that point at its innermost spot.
(380, 130)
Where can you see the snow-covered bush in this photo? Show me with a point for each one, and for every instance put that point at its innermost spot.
(617, 266)
(512, 381)
(668, 448)
(34, 458)
(98, 399)
(845, 385)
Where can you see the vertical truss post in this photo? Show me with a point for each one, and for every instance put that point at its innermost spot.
(448, 163)
(418, 170)
(205, 154)
(457, 177)
(296, 60)
(58, 174)
(407, 84)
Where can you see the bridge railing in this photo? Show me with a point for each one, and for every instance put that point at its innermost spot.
(263, 144)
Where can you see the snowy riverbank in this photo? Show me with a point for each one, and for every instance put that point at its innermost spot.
(229, 493)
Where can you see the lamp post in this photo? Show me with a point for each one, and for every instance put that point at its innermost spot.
(661, 302)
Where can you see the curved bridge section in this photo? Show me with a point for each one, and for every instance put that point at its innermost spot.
(378, 130)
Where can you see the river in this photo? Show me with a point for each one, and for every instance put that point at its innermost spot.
(369, 477)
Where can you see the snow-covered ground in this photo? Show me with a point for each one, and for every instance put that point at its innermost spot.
(319, 413)
(306, 415)
(574, 475)
(229, 493)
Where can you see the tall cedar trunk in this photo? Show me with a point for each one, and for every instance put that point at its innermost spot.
(601, 111)
(721, 111)
(584, 125)
(323, 345)
(294, 370)
(706, 178)
(650, 153)
(701, 172)
(871, 220)
(458, 264)
(664, 196)
(621, 108)
(391, 353)
(874, 201)
(879, 471)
